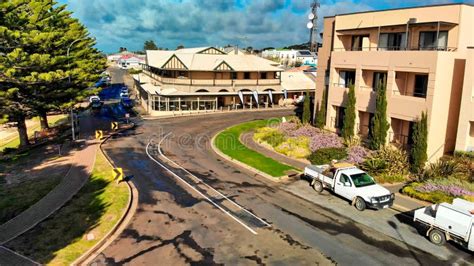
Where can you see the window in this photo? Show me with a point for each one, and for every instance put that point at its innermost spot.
(344, 179)
(428, 40)
(392, 41)
(246, 75)
(263, 75)
(362, 180)
(346, 77)
(357, 42)
(421, 86)
(378, 77)
(341, 111)
(233, 75)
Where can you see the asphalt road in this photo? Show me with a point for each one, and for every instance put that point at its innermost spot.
(196, 208)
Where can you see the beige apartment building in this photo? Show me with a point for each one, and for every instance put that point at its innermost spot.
(207, 78)
(426, 55)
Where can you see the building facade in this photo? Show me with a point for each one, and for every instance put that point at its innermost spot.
(207, 78)
(424, 54)
(305, 57)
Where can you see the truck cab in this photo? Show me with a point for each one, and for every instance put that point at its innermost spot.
(350, 183)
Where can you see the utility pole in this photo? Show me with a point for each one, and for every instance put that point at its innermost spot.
(313, 26)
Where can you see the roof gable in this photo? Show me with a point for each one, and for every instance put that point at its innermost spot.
(211, 50)
(223, 66)
(174, 63)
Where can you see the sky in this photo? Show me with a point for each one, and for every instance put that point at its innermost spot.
(196, 23)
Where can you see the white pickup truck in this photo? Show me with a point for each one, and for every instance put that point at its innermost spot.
(449, 222)
(350, 183)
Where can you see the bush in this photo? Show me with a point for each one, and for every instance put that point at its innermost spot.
(434, 197)
(357, 154)
(326, 155)
(440, 190)
(465, 154)
(388, 160)
(295, 147)
(269, 135)
(385, 178)
(442, 168)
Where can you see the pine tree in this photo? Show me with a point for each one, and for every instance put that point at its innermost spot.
(418, 152)
(306, 117)
(36, 76)
(349, 115)
(321, 114)
(150, 45)
(379, 123)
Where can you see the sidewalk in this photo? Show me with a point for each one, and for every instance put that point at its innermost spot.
(82, 162)
(402, 203)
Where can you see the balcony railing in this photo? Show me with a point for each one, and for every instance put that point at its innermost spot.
(411, 94)
(398, 48)
(213, 82)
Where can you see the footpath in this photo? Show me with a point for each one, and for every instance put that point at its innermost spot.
(402, 203)
(82, 161)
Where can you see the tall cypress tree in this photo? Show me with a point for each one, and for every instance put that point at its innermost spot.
(349, 115)
(321, 114)
(418, 152)
(36, 76)
(379, 123)
(306, 117)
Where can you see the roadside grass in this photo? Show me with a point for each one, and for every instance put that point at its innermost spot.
(228, 142)
(14, 142)
(14, 200)
(92, 213)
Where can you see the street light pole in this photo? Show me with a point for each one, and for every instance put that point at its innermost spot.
(69, 79)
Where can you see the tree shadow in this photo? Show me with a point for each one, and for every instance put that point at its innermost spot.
(70, 223)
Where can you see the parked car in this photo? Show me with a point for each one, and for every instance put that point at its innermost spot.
(94, 98)
(127, 102)
(350, 183)
(449, 222)
(95, 103)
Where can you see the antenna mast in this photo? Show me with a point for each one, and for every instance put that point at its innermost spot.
(313, 26)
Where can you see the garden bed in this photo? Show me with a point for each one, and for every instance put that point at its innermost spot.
(228, 142)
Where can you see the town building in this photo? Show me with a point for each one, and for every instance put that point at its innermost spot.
(131, 61)
(206, 78)
(425, 54)
(291, 57)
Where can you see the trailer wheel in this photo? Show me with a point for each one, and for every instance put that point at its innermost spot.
(360, 204)
(437, 237)
(318, 186)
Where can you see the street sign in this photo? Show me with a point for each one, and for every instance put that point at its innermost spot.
(115, 125)
(118, 174)
(99, 134)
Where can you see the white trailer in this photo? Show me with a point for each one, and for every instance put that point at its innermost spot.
(446, 221)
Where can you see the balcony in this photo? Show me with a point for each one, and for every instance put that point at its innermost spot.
(212, 82)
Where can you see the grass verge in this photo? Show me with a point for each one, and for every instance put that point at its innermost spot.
(80, 224)
(228, 143)
(14, 200)
(14, 142)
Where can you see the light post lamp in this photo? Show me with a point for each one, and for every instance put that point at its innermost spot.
(69, 79)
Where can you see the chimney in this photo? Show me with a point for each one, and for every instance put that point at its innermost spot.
(236, 50)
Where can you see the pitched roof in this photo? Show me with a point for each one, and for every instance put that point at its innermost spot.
(195, 61)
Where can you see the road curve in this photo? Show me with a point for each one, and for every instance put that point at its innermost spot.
(182, 222)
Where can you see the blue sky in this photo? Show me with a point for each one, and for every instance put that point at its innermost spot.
(192, 23)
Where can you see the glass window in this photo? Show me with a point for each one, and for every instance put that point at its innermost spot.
(421, 86)
(378, 77)
(233, 75)
(346, 78)
(362, 180)
(428, 40)
(246, 75)
(357, 42)
(263, 75)
(392, 41)
(344, 179)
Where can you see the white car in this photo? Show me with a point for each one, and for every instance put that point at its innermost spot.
(124, 95)
(350, 183)
(94, 98)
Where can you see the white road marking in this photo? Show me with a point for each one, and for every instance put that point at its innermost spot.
(19, 255)
(201, 181)
(200, 193)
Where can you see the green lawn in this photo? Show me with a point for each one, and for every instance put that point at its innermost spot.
(61, 239)
(228, 142)
(15, 141)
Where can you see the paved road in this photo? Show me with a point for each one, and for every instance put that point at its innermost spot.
(180, 222)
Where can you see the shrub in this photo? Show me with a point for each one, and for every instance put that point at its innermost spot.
(357, 154)
(388, 160)
(418, 152)
(326, 155)
(295, 147)
(442, 168)
(434, 197)
(325, 140)
(269, 135)
(465, 154)
(288, 127)
(385, 178)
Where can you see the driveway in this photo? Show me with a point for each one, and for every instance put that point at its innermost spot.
(195, 207)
